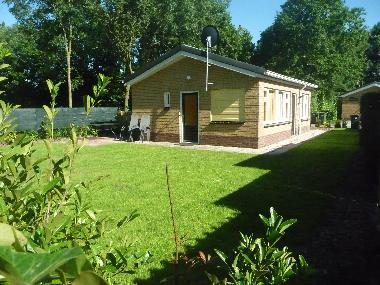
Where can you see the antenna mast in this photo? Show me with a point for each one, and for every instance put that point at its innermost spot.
(209, 37)
(208, 45)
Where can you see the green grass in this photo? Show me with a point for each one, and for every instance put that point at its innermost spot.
(216, 194)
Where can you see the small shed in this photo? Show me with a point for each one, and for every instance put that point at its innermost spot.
(351, 100)
(246, 105)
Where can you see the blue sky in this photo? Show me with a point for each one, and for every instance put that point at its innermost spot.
(256, 15)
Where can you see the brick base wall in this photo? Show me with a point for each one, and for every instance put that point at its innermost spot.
(164, 137)
(274, 138)
(235, 141)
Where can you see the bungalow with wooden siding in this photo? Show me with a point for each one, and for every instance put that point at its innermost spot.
(246, 105)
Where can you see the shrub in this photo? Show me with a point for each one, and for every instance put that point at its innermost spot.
(258, 260)
(38, 198)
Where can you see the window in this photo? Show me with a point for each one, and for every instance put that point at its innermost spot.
(276, 106)
(269, 105)
(305, 106)
(227, 105)
(286, 108)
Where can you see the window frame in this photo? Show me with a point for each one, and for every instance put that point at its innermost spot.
(277, 110)
(241, 100)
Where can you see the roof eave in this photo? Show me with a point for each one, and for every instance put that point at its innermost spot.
(186, 51)
(361, 89)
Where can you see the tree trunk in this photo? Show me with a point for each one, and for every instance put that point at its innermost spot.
(128, 87)
(126, 98)
(69, 91)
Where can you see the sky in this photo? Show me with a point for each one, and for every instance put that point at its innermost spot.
(255, 15)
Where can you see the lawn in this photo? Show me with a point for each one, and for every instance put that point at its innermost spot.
(216, 194)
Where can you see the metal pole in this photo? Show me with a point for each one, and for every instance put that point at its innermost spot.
(207, 46)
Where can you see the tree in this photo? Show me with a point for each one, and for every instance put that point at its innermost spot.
(59, 22)
(180, 22)
(319, 41)
(373, 56)
(127, 20)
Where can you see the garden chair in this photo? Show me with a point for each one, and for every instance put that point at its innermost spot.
(133, 125)
(145, 127)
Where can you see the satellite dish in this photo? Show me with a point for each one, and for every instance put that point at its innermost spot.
(210, 36)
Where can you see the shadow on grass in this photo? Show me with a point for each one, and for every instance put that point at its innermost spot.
(301, 183)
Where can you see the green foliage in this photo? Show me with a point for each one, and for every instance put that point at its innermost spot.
(6, 122)
(99, 90)
(4, 52)
(30, 268)
(180, 22)
(51, 112)
(319, 41)
(149, 28)
(39, 199)
(83, 131)
(372, 72)
(259, 261)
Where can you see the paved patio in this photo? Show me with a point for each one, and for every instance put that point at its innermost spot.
(273, 149)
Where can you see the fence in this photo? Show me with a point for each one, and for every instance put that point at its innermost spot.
(31, 118)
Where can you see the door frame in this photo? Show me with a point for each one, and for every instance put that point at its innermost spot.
(181, 126)
(294, 112)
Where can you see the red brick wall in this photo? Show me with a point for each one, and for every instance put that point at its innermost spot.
(274, 138)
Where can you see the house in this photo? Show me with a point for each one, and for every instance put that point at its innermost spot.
(351, 100)
(245, 105)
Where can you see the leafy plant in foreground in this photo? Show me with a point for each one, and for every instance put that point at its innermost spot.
(258, 260)
(26, 268)
(51, 112)
(39, 199)
(98, 90)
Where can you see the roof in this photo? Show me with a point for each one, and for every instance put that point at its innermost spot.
(375, 86)
(182, 51)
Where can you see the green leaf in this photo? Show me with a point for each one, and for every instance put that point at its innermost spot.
(50, 85)
(285, 225)
(128, 218)
(29, 268)
(76, 266)
(91, 214)
(48, 112)
(221, 255)
(303, 263)
(4, 65)
(264, 219)
(10, 236)
(51, 185)
(49, 148)
(73, 136)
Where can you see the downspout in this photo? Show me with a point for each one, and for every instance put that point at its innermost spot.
(298, 119)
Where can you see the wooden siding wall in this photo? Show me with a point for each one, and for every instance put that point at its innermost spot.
(148, 97)
(350, 107)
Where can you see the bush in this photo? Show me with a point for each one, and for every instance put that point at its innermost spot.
(10, 138)
(38, 198)
(84, 131)
(258, 260)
